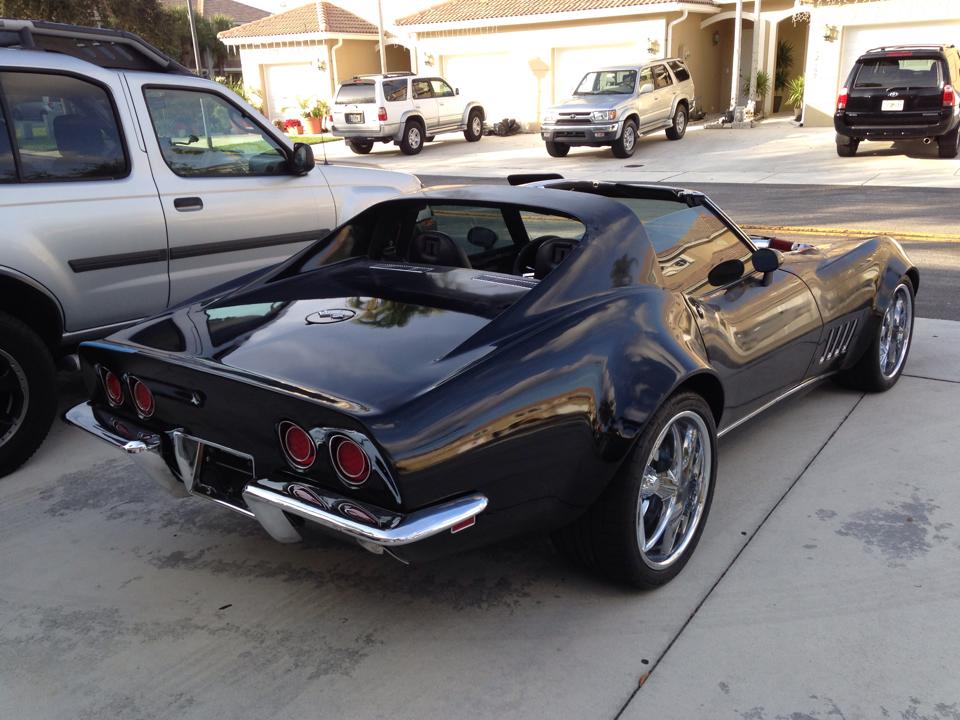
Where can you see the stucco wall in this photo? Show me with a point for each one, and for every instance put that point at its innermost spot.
(252, 60)
(703, 58)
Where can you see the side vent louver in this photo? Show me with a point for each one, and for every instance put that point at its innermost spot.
(838, 340)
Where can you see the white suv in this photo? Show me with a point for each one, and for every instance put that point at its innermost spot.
(128, 186)
(402, 108)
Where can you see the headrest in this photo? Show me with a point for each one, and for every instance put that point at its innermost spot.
(437, 248)
(551, 253)
(484, 238)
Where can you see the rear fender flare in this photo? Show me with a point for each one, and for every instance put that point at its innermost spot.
(471, 106)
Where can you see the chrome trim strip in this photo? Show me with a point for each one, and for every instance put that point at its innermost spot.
(853, 329)
(414, 527)
(766, 406)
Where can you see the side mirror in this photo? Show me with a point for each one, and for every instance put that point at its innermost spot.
(301, 159)
(456, 91)
(726, 272)
(646, 88)
(766, 260)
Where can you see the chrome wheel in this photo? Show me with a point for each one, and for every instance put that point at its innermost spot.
(476, 126)
(895, 331)
(14, 397)
(629, 138)
(674, 489)
(414, 139)
(681, 122)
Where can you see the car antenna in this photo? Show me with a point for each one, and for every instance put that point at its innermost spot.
(323, 148)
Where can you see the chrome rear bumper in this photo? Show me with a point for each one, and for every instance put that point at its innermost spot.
(271, 502)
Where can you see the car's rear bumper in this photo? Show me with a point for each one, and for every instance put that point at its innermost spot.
(383, 131)
(599, 134)
(280, 506)
(867, 127)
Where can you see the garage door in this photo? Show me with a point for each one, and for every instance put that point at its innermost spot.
(857, 40)
(485, 78)
(570, 64)
(286, 85)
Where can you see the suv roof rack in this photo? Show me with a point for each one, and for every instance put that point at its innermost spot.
(886, 48)
(113, 49)
(369, 76)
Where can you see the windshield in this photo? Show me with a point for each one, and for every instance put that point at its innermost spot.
(356, 94)
(608, 82)
(899, 72)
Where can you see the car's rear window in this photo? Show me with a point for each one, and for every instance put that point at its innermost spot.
(890, 72)
(357, 94)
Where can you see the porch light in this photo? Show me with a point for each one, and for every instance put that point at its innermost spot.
(321, 65)
(831, 33)
(428, 59)
(653, 46)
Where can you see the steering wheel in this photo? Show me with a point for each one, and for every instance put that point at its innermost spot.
(522, 262)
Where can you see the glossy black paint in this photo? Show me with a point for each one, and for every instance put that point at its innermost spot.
(530, 393)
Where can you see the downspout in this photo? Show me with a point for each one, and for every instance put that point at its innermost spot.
(670, 26)
(334, 75)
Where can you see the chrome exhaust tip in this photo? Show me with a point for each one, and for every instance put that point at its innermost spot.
(927, 141)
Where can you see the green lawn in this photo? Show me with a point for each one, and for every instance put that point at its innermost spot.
(314, 139)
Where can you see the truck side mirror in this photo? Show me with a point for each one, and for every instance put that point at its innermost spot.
(456, 91)
(301, 159)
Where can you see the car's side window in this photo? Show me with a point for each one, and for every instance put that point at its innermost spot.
(422, 89)
(460, 223)
(8, 168)
(680, 71)
(646, 76)
(441, 89)
(538, 225)
(661, 77)
(201, 134)
(64, 128)
(689, 243)
(395, 90)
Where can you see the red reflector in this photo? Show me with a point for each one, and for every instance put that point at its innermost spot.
(382, 114)
(350, 460)
(463, 525)
(949, 96)
(898, 54)
(113, 388)
(297, 444)
(842, 99)
(142, 397)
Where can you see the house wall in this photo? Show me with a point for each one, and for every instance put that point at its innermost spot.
(696, 48)
(823, 71)
(796, 35)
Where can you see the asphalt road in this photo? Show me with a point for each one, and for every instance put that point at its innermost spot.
(842, 211)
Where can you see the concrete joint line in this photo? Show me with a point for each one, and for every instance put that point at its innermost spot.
(924, 377)
(693, 614)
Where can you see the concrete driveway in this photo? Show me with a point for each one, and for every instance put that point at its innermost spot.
(774, 152)
(826, 585)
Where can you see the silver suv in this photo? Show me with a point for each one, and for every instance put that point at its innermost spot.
(128, 186)
(614, 106)
(402, 108)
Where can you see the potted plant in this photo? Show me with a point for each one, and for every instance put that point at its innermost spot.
(763, 87)
(315, 116)
(795, 96)
(784, 63)
(293, 126)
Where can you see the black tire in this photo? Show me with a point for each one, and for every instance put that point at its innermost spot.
(868, 374)
(360, 146)
(412, 141)
(474, 130)
(557, 149)
(605, 538)
(625, 145)
(679, 127)
(948, 146)
(847, 147)
(28, 394)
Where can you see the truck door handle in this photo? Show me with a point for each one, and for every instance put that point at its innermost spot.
(188, 204)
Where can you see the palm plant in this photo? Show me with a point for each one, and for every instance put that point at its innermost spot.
(784, 63)
(795, 95)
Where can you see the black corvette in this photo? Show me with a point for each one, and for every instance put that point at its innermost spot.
(465, 364)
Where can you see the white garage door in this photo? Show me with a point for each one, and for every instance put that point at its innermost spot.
(572, 63)
(485, 78)
(857, 40)
(286, 85)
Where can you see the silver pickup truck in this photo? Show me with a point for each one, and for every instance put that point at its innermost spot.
(128, 185)
(616, 105)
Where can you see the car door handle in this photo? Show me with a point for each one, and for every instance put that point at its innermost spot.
(188, 204)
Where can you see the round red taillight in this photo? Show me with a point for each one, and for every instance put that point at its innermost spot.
(142, 397)
(113, 388)
(349, 459)
(298, 446)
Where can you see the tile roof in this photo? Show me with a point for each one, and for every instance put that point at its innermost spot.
(331, 19)
(237, 11)
(471, 10)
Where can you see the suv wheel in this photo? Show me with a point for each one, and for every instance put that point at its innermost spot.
(557, 149)
(412, 141)
(474, 129)
(847, 147)
(28, 397)
(360, 146)
(949, 144)
(679, 127)
(625, 145)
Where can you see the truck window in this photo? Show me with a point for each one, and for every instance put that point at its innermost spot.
(680, 71)
(362, 93)
(661, 78)
(8, 170)
(395, 90)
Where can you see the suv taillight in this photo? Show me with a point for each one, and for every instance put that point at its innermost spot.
(842, 99)
(382, 114)
(949, 96)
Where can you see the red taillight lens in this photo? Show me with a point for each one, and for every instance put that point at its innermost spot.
(949, 96)
(298, 446)
(349, 460)
(112, 387)
(842, 99)
(142, 397)
(382, 114)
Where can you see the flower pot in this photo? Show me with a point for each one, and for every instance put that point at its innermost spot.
(777, 101)
(798, 113)
(313, 124)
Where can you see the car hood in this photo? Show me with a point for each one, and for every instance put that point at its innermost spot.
(589, 102)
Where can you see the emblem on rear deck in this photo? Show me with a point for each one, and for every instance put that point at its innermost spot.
(332, 315)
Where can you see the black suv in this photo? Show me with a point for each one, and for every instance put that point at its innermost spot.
(901, 92)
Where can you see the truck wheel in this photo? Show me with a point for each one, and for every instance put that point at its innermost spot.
(847, 147)
(949, 144)
(625, 145)
(679, 127)
(557, 149)
(412, 141)
(28, 396)
(360, 146)
(474, 129)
